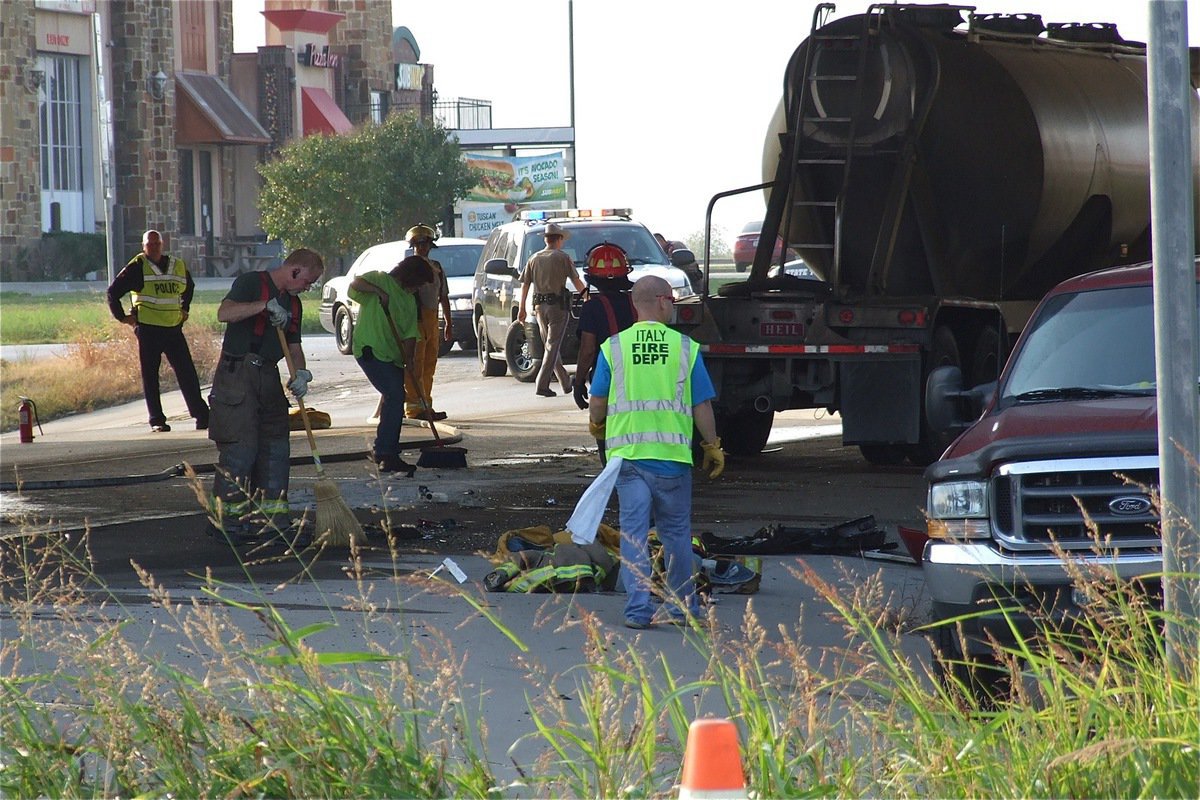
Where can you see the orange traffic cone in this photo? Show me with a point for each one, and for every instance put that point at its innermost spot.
(712, 762)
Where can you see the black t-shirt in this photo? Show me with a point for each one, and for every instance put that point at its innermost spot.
(240, 336)
(594, 318)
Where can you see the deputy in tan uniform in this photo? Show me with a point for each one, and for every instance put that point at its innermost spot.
(547, 273)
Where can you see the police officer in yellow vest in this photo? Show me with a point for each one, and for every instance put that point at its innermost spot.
(648, 389)
(162, 291)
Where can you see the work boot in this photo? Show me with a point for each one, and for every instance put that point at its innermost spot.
(396, 464)
(160, 427)
(202, 423)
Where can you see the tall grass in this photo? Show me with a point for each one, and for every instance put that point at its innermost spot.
(262, 710)
(83, 315)
(93, 374)
(100, 366)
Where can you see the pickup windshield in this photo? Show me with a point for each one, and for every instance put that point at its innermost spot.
(1084, 346)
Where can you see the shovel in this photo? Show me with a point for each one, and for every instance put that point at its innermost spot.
(440, 455)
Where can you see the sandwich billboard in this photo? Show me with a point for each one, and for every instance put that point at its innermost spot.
(509, 185)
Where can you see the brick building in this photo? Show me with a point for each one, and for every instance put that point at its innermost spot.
(123, 115)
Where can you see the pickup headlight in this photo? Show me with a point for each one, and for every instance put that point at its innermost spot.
(460, 303)
(958, 510)
(683, 292)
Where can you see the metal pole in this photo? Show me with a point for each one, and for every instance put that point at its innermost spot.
(1172, 114)
(104, 115)
(572, 183)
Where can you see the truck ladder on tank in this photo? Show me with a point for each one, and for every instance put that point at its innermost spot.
(823, 210)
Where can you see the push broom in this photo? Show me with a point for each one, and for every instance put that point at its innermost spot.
(335, 523)
(439, 456)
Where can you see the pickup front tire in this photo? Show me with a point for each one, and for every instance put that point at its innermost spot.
(982, 679)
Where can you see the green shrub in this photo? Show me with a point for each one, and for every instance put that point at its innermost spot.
(60, 255)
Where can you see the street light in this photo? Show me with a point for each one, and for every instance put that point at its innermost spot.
(156, 84)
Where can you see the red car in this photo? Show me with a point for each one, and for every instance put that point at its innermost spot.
(746, 243)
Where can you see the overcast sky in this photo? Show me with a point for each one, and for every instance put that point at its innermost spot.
(672, 97)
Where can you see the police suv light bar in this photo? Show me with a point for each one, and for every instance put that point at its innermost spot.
(545, 215)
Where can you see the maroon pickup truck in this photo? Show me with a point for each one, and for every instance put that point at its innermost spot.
(1066, 437)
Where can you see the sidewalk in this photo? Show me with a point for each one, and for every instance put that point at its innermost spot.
(118, 438)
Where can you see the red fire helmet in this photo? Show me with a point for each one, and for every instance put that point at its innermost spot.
(607, 260)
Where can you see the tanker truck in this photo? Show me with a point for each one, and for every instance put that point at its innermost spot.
(941, 170)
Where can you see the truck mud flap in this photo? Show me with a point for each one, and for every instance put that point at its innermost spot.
(880, 401)
(846, 538)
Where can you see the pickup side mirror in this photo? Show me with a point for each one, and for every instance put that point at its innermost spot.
(682, 257)
(949, 408)
(498, 266)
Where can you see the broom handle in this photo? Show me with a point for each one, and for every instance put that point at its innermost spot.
(420, 390)
(312, 440)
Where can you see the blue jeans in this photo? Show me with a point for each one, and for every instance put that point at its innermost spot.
(669, 499)
(389, 380)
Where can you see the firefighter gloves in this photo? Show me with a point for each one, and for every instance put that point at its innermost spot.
(298, 385)
(279, 315)
(713, 457)
(581, 394)
(596, 429)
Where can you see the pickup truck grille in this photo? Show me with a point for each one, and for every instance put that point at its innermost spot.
(1037, 502)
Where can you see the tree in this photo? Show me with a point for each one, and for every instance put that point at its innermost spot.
(341, 194)
(721, 250)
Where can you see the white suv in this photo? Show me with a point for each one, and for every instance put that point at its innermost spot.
(502, 343)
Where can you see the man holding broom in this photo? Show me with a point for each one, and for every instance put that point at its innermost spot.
(385, 340)
(249, 416)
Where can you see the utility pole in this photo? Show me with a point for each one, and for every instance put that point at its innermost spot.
(1177, 352)
(572, 183)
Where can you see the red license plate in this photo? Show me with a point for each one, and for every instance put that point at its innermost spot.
(780, 329)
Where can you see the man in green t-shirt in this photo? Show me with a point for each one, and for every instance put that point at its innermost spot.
(249, 412)
(387, 299)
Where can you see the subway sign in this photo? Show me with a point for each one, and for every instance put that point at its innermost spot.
(410, 76)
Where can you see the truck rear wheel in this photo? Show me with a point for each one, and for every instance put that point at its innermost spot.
(884, 455)
(745, 434)
(988, 357)
(942, 352)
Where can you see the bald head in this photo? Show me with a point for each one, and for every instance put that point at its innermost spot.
(152, 245)
(652, 298)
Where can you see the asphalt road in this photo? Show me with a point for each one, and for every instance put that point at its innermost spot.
(529, 459)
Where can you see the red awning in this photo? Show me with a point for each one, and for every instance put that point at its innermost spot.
(321, 114)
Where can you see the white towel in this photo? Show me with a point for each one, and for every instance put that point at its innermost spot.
(585, 519)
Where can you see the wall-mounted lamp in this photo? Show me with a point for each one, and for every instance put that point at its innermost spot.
(34, 78)
(156, 84)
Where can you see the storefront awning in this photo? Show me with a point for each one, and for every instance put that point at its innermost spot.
(208, 113)
(321, 114)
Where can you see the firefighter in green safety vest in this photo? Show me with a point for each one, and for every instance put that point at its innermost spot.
(162, 291)
(648, 390)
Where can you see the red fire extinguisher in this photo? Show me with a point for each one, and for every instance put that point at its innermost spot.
(26, 416)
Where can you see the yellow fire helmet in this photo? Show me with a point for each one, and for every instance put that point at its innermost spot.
(421, 232)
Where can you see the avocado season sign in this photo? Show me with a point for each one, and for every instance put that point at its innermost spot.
(517, 179)
(508, 186)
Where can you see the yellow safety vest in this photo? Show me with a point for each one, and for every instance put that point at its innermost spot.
(160, 302)
(650, 396)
